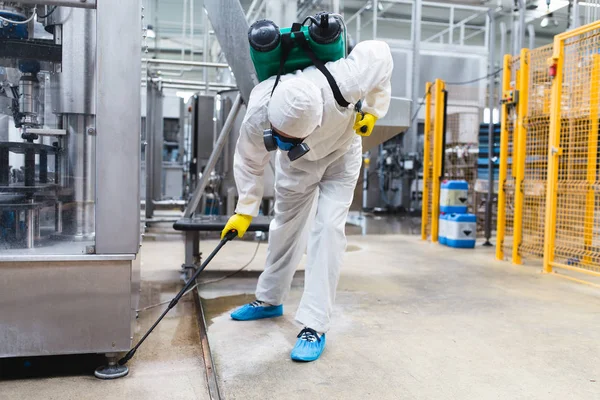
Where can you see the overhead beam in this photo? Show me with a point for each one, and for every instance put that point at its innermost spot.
(65, 3)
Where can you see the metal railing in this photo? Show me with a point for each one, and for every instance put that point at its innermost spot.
(524, 156)
(371, 13)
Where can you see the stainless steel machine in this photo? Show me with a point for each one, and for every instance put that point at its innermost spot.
(69, 175)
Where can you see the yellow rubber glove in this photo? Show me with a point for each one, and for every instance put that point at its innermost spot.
(364, 123)
(238, 222)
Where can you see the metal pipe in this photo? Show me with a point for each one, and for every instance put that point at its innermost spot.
(521, 24)
(375, 7)
(472, 35)
(491, 105)
(259, 10)
(335, 7)
(502, 39)
(192, 31)
(58, 219)
(451, 27)
(515, 38)
(61, 3)
(365, 188)
(429, 23)
(251, 9)
(195, 83)
(358, 27)
(575, 22)
(486, 38)
(212, 161)
(440, 5)
(190, 87)
(460, 24)
(29, 222)
(183, 30)
(411, 137)
(188, 63)
(531, 34)
(205, 23)
(150, 143)
(37, 229)
(503, 34)
(169, 68)
(356, 14)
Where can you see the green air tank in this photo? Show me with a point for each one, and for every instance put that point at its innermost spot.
(325, 36)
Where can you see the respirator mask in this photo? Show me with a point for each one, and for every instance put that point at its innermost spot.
(295, 147)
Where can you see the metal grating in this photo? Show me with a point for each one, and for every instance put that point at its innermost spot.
(537, 124)
(462, 132)
(577, 190)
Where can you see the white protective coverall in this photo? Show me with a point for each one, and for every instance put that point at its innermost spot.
(330, 171)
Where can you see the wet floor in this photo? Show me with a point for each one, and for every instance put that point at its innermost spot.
(219, 305)
(372, 224)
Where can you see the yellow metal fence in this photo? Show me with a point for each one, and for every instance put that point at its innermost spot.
(508, 155)
(427, 163)
(549, 197)
(536, 124)
(572, 237)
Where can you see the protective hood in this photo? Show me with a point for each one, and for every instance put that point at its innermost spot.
(296, 107)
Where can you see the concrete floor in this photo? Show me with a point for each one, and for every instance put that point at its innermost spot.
(418, 321)
(412, 321)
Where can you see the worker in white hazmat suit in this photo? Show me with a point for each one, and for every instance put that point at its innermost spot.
(302, 110)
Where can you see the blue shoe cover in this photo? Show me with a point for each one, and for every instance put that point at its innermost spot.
(256, 310)
(309, 345)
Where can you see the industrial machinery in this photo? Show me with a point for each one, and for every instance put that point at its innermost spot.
(208, 115)
(69, 175)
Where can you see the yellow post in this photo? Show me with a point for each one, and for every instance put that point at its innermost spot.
(588, 224)
(501, 224)
(437, 157)
(515, 143)
(553, 153)
(521, 140)
(426, 162)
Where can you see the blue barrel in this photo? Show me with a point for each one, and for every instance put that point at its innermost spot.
(442, 228)
(461, 230)
(454, 197)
